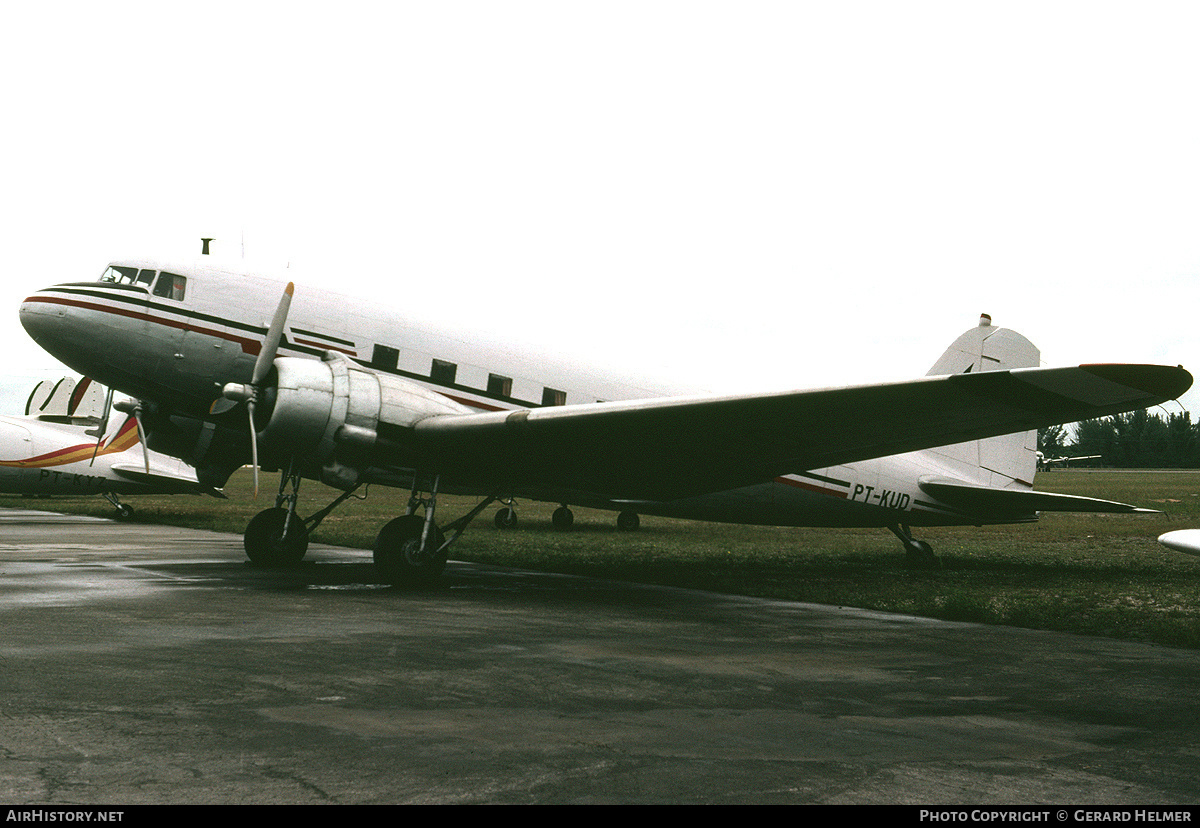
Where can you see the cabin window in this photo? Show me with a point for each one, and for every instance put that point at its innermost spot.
(499, 386)
(170, 286)
(552, 397)
(443, 372)
(145, 277)
(385, 358)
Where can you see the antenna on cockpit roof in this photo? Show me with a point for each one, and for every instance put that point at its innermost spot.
(204, 247)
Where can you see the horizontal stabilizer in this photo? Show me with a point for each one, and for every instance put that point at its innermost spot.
(984, 500)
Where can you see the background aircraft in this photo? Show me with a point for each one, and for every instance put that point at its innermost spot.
(66, 445)
(347, 392)
(1048, 463)
(1182, 540)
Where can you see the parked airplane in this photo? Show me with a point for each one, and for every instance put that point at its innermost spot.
(63, 446)
(346, 392)
(1048, 463)
(1182, 540)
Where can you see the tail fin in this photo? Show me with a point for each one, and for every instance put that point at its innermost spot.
(65, 398)
(985, 348)
(1008, 461)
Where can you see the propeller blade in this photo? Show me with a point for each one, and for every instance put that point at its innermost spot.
(134, 407)
(222, 404)
(137, 418)
(266, 356)
(253, 445)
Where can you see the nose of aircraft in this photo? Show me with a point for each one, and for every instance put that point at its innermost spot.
(43, 319)
(62, 324)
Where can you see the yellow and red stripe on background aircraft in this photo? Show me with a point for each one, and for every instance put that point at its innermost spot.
(69, 453)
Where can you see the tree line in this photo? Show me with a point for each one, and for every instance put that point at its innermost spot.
(1138, 439)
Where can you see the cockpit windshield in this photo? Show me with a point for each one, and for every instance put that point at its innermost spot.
(125, 275)
(169, 285)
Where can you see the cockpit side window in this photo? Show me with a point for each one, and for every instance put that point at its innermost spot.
(145, 277)
(170, 286)
(122, 275)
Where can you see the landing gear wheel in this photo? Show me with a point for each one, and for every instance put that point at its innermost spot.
(266, 544)
(628, 521)
(919, 555)
(124, 511)
(506, 519)
(562, 519)
(399, 558)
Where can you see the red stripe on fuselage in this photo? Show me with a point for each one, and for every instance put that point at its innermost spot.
(809, 487)
(249, 346)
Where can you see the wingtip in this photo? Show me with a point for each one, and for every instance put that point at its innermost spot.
(1165, 381)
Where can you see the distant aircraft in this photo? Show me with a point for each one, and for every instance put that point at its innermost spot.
(348, 392)
(1182, 540)
(1048, 463)
(61, 448)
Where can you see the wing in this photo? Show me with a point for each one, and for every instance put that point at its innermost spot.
(670, 448)
(164, 480)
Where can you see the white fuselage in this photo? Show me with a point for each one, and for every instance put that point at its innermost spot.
(177, 346)
(56, 456)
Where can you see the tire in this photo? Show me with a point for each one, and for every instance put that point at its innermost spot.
(506, 519)
(265, 543)
(398, 557)
(562, 519)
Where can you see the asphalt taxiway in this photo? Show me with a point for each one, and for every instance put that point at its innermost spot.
(144, 664)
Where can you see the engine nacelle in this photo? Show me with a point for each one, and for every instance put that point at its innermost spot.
(328, 414)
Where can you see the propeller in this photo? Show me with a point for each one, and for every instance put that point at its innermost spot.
(237, 392)
(134, 407)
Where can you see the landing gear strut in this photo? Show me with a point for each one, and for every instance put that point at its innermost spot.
(506, 518)
(124, 510)
(918, 554)
(411, 550)
(279, 536)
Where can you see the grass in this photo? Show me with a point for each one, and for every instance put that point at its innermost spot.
(1092, 574)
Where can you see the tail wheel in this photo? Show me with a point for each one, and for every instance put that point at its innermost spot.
(919, 555)
(266, 543)
(399, 556)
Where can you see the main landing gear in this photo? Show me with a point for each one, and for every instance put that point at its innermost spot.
(409, 550)
(919, 554)
(279, 536)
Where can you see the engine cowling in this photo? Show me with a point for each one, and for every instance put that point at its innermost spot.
(328, 414)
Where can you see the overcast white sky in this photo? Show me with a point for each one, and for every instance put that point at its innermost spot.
(736, 194)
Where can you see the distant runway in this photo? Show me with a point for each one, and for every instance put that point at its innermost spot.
(144, 664)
